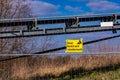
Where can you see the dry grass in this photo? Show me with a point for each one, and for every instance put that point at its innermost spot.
(42, 66)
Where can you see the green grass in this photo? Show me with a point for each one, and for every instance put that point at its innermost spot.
(108, 75)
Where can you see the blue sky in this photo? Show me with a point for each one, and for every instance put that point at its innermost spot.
(73, 7)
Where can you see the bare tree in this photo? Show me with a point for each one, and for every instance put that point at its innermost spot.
(19, 9)
(48, 42)
(14, 9)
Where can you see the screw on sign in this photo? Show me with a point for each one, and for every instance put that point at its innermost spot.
(80, 42)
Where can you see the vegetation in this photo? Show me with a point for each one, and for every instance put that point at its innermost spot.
(107, 75)
(62, 68)
(14, 9)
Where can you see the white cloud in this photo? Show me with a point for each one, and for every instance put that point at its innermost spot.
(73, 9)
(102, 5)
(40, 8)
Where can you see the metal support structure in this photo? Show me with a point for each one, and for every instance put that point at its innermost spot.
(114, 30)
(55, 20)
(64, 29)
(55, 31)
(114, 18)
(34, 26)
(44, 31)
(29, 27)
(71, 22)
(74, 23)
(21, 32)
(36, 22)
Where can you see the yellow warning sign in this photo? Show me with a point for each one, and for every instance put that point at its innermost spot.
(74, 46)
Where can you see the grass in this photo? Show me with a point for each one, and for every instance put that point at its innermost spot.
(109, 75)
(60, 68)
